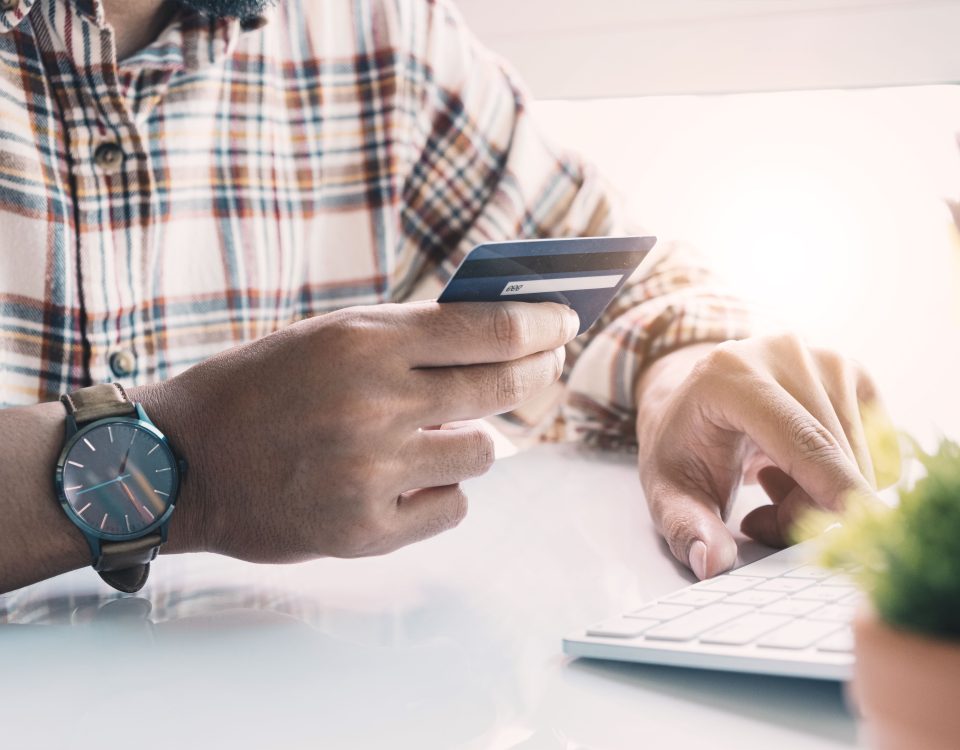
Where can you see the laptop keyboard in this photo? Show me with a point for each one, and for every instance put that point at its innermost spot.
(776, 609)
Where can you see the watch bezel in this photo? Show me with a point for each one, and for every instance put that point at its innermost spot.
(92, 531)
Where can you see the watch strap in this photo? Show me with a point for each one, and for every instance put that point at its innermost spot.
(98, 402)
(126, 565)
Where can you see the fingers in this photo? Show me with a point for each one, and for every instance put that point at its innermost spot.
(766, 407)
(840, 385)
(462, 333)
(436, 458)
(856, 418)
(451, 394)
(431, 364)
(424, 513)
(797, 442)
(819, 386)
(773, 524)
(690, 523)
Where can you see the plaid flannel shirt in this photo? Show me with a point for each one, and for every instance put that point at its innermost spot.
(232, 178)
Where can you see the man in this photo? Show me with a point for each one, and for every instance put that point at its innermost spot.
(212, 211)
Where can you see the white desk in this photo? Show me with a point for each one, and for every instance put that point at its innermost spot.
(454, 643)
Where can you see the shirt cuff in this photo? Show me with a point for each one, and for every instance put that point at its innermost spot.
(600, 408)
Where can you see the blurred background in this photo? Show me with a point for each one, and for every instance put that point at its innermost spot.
(806, 146)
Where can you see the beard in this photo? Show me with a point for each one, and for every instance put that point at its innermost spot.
(229, 8)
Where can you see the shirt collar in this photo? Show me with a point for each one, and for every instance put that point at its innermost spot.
(91, 9)
(200, 41)
(224, 33)
(12, 13)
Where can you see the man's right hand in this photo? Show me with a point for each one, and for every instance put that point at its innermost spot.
(316, 440)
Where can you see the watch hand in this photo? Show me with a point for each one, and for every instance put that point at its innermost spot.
(103, 484)
(129, 494)
(123, 464)
(136, 503)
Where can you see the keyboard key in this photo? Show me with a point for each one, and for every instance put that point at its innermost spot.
(660, 612)
(690, 626)
(776, 564)
(728, 584)
(744, 629)
(793, 607)
(786, 585)
(822, 593)
(838, 580)
(840, 642)
(621, 627)
(809, 571)
(754, 598)
(694, 598)
(855, 598)
(834, 613)
(798, 634)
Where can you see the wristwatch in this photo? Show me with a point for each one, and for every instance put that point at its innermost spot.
(117, 479)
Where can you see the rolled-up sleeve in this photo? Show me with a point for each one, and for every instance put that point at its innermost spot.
(674, 301)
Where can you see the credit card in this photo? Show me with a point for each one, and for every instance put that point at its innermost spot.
(584, 273)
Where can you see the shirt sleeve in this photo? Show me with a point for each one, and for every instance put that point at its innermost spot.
(481, 171)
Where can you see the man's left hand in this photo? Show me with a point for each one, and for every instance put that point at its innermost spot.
(801, 421)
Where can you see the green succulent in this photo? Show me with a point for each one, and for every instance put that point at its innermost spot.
(907, 558)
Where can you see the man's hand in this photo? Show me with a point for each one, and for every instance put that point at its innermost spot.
(767, 409)
(315, 441)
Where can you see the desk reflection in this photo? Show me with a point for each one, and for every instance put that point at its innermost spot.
(453, 644)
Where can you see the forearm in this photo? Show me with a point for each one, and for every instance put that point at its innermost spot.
(37, 540)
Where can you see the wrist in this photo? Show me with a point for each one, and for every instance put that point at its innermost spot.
(37, 540)
(660, 380)
(168, 407)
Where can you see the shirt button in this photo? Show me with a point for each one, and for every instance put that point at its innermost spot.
(108, 156)
(8, 5)
(123, 363)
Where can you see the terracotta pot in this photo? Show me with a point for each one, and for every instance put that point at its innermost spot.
(906, 687)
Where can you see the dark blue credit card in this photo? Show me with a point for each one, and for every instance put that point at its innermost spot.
(585, 272)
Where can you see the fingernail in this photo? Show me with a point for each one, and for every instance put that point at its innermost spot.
(573, 322)
(561, 354)
(698, 559)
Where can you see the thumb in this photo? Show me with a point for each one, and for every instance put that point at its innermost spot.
(690, 522)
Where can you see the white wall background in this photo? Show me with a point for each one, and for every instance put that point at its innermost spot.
(572, 48)
(824, 207)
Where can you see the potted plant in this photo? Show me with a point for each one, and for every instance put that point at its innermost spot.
(906, 559)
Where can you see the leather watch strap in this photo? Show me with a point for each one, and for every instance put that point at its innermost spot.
(126, 565)
(98, 402)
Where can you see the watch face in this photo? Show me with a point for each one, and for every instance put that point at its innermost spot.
(119, 478)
